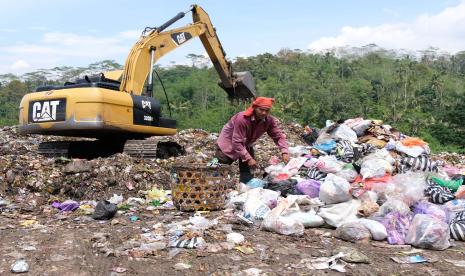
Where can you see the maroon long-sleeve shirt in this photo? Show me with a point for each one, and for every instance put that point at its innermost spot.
(241, 132)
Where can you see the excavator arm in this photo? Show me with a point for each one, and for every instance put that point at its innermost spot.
(157, 43)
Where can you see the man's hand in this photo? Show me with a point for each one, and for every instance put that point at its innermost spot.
(252, 163)
(285, 157)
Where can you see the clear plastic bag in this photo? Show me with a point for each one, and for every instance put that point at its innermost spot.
(428, 232)
(353, 232)
(337, 214)
(334, 189)
(274, 221)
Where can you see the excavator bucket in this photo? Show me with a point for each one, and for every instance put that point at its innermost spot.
(244, 88)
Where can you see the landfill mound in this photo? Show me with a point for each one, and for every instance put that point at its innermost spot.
(354, 186)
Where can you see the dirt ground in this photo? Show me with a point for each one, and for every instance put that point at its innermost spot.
(73, 244)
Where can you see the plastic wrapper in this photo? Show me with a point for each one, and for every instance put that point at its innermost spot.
(353, 232)
(334, 190)
(433, 210)
(309, 187)
(337, 214)
(377, 229)
(428, 232)
(397, 225)
(274, 221)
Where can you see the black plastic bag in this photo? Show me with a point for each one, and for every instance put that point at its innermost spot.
(104, 210)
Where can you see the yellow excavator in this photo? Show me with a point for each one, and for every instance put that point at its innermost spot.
(118, 106)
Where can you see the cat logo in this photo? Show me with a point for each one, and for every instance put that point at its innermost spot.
(46, 111)
(146, 104)
(180, 38)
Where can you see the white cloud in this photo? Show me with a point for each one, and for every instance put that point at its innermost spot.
(58, 49)
(20, 65)
(445, 30)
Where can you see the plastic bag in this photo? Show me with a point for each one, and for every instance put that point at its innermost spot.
(433, 210)
(358, 125)
(455, 206)
(285, 187)
(413, 151)
(337, 214)
(391, 205)
(104, 210)
(275, 169)
(409, 186)
(293, 166)
(274, 221)
(347, 172)
(457, 227)
(326, 147)
(298, 151)
(453, 185)
(377, 230)
(397, 225)
(346, 133)
(428, 232)
(329, 164)
(334, 190)
(353, 232)
(373, 166)
(256, 183)
(309, 187)
(308, 219)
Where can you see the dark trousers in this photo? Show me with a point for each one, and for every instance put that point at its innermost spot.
(244, 169)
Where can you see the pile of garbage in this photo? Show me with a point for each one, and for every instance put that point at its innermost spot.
(364, 178)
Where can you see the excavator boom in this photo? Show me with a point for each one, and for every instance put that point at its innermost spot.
(157, 43)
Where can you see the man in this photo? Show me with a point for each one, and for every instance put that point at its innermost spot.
(239, 135)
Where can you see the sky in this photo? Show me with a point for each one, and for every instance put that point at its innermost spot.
(49, 33)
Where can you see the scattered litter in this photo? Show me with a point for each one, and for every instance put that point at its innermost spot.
(20, 266)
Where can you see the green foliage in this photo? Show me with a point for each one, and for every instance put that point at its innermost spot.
(422, 97)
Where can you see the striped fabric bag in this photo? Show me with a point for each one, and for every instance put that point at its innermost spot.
(315, 174)
(345, 151)
(420, 163)
(457, 227)
(438, 194)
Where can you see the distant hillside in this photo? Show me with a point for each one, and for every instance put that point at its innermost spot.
(61, 74)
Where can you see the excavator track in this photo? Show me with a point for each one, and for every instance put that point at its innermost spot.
(149, 149)
(146, 149)
(141, 149)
